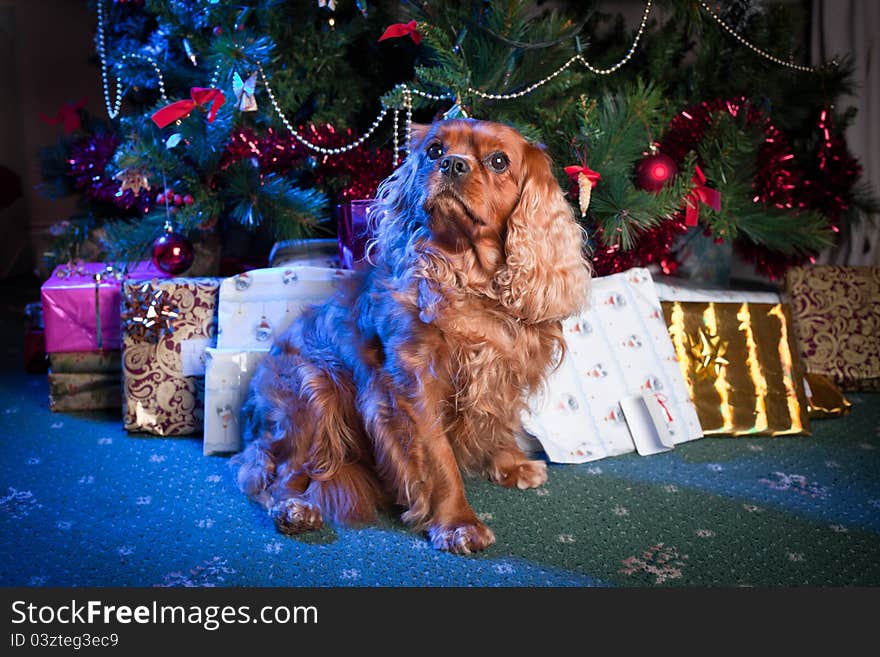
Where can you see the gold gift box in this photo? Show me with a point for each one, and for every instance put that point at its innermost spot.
(824, 397)
(741, 365)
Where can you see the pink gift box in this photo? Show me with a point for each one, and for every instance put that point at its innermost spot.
(82, 314)
(352, 235)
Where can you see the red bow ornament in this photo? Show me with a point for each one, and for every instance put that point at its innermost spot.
(586, 179)
(180, 109)
(67, 115)
(402, 30)
(700, 194)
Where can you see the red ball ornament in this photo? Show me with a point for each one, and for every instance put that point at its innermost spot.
(173, 253)
(655, 171)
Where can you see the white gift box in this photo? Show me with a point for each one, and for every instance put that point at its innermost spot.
(313, 252)
(228, 376)
(257, 306)
(619, 387)
(676, 289)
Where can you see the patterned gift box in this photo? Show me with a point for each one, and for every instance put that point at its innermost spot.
(167, 327)
(617, 351)
(81, 305)
(228, 375)
(84, 391)
(742, 367)
(257, 306)
(78, 362)
(836, 316)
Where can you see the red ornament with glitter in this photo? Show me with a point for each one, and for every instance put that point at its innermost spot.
(173, 253)
(655, 171)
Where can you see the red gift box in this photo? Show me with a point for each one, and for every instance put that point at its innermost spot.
(35, 361)
(81, 305)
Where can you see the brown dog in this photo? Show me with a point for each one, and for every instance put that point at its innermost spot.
(423, 367)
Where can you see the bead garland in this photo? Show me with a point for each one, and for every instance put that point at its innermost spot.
(113, 111)
(320, 149)
(756, 49)
(408, 91)
(407, 106)
(575, 58)
(395, 132)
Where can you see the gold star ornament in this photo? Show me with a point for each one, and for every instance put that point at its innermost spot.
(134, 179)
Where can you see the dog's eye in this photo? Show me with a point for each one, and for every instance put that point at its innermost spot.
(435, 150)
(498, 162)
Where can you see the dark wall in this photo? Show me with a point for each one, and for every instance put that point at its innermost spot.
(45, 46)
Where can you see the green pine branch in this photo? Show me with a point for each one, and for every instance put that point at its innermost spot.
(728, 153)
(256, 199)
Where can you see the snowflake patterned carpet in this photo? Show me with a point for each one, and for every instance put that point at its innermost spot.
(82, 503)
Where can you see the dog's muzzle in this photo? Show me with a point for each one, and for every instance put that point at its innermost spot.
(454, 167)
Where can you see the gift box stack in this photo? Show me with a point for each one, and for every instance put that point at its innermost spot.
(80, 310)
(157, 346)
(649, 364)
(253, 309)
(652, 364)
(190, 345)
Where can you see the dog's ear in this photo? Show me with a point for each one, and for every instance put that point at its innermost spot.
(545, 275)
(417, 134)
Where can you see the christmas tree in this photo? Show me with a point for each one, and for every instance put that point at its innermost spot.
(686, 118)
(696, 119)
(191, 146)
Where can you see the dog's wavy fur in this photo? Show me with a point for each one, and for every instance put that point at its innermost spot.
(422, 366)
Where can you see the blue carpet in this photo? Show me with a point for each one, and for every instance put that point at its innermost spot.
(83, 503)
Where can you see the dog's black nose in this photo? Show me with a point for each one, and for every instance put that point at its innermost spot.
(454, 166)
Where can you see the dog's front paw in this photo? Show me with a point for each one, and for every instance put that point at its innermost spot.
(293, 516)
(525, 474)
(461, 538)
